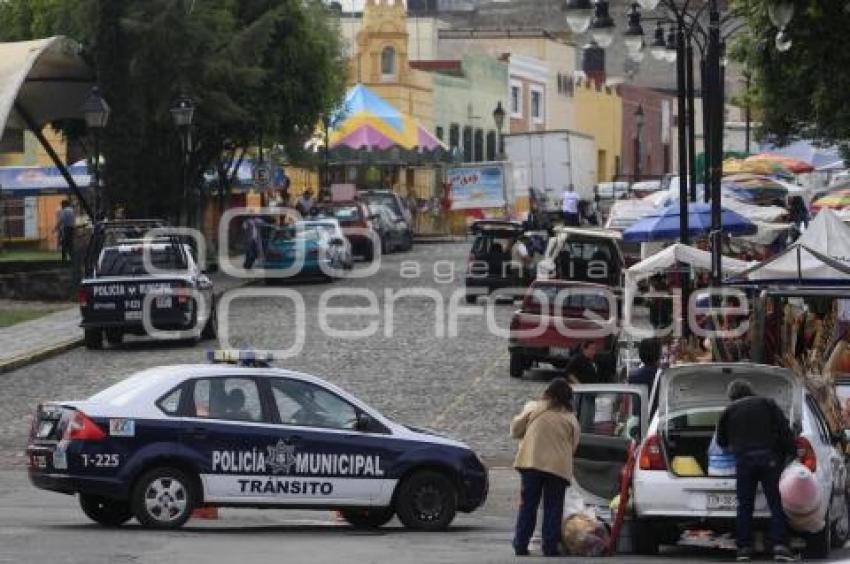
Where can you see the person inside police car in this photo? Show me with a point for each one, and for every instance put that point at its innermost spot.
(549, 434)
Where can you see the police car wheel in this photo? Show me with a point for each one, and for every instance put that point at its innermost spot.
(114, 337)
(107, 512)
(426, 501)
(368, 518)
(93, 338)
(163, 498)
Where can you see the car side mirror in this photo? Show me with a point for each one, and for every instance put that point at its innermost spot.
(364, 422)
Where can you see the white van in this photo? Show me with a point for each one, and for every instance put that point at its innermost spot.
(690, 400)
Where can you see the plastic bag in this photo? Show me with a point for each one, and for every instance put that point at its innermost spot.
(573, 503)
(720, 462)
(801, 499)
(584, 535)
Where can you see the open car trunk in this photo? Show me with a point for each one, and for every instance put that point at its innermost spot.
(693, 397)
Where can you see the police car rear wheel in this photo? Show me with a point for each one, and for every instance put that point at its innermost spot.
(93, 338)
(367, 518)
(163, 498)
(114, 337)
(426, 501)
(107, 512)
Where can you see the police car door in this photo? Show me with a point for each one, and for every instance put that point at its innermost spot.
(230, 430)
(328, 446)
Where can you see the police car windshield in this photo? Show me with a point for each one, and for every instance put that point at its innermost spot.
(126, 261)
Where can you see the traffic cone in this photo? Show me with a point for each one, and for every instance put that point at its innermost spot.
(205, 512)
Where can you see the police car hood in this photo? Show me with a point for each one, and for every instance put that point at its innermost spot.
(425, 435)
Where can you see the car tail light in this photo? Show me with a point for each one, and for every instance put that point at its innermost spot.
(180, 287)
(82, 428)
(651, 454)
(806, 454)
(83, 297)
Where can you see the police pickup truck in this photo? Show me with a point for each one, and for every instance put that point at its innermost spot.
(139, 286)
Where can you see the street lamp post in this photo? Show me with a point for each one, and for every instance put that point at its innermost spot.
(96, 113)
(499, 118)
(182, 113)
(640, 119)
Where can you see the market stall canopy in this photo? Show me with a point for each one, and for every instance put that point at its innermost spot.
(625, 213)
(788, 163)
(664, 225)
(820, 256)
(674, 255)
(47, 78)
(807, 152)
(837, 197)
(369, 129)
(20, 181)
(766, 168)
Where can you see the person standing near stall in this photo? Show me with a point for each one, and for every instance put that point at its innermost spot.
(549, 434)
(569, 206)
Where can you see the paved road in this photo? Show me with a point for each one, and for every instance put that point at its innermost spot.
(455, 384)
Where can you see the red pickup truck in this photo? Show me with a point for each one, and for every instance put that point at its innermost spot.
(556, 317)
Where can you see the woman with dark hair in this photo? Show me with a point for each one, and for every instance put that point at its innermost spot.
(548, 432)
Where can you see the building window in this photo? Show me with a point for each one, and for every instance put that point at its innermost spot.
(440, 132)
(454, 136)
(479, 145)
(537, 109)
(516, 99)
(467, 144)
(388, 62)
(491, 145)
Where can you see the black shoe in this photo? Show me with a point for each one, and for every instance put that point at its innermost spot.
(745, 554)
(782, 553)
(520, 551)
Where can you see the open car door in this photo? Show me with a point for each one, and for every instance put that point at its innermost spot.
(611, 417)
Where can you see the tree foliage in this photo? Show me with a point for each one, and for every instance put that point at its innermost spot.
(803, 92)
(253, 68)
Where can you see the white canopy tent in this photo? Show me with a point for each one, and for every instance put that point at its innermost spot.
(820, 256)
(664, 261)
(42, 81)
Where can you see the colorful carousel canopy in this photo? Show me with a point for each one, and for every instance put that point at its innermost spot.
(746, 166)
(836, 199)
(370, 129)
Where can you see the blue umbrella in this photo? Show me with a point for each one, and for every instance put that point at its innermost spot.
(663, 225)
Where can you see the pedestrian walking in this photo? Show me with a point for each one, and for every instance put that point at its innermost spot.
(756, 430)
(549, 434)
(66, 219)
(569, 206)
(253, 239)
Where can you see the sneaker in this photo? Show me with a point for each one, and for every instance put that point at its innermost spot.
(745, 554)
(782, 553)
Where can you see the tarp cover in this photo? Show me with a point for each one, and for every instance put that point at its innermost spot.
(674, 255)
(820, 256)
(46, 76)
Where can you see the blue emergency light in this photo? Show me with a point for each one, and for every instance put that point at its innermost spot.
(240, 357)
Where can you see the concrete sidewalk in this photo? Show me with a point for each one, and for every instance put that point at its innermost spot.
(31, 341)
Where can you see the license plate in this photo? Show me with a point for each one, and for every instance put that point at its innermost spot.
(38, 461)
(722, 501)
(558, 351)
(132, 315)
(163, 302)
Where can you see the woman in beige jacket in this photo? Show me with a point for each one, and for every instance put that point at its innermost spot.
(549, 434)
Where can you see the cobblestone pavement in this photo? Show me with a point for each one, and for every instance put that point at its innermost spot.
(458, 385)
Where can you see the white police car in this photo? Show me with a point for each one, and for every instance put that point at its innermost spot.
(170, 439)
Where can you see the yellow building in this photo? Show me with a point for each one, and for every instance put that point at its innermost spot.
(599, 112)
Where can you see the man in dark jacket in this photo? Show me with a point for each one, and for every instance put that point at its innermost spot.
(756, 430)
(649, 351)
(583, 366)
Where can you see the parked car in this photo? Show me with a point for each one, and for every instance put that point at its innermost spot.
(394, 231)
(390, 199)
(583, 255)
(353, 218)
(112, 298)
(303, 252)
(170, 439)
(340, 247)
(555, 318)
(489, 265)
(691, 399)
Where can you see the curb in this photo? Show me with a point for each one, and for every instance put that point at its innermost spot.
(40, 354)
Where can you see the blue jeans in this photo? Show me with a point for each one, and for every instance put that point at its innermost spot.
(552, 488)
(752, 468)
